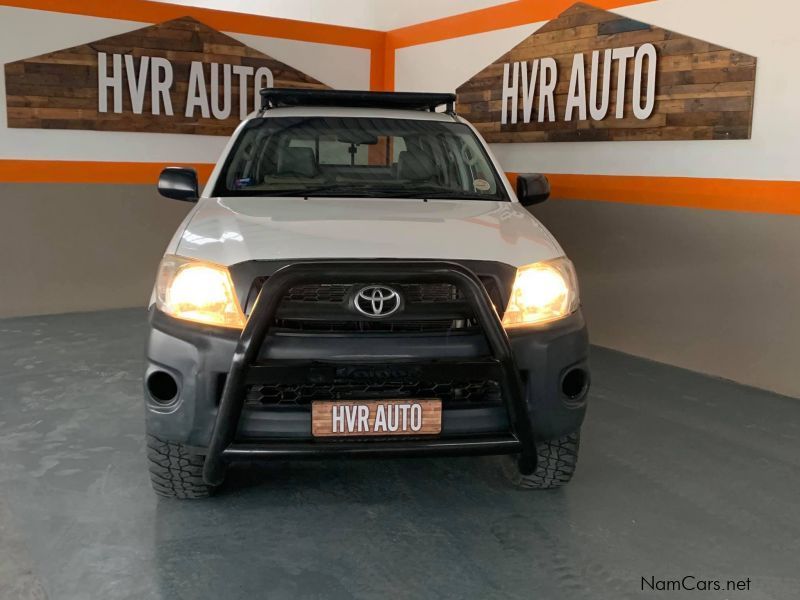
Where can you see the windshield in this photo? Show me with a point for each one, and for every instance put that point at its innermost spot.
(358, 157)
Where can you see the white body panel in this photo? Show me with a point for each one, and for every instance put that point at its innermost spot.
(232, 230)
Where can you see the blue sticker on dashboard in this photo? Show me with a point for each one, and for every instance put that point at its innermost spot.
(242, 183)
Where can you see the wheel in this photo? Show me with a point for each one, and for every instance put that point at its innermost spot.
(556, 464)
(175, 472)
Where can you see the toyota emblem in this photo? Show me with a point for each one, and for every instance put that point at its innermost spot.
(377, 301)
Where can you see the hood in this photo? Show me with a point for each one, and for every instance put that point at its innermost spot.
(232, 230)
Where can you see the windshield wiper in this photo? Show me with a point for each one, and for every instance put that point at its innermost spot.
(326, 191)
(445, 195)
(306, 192)
(337, 190)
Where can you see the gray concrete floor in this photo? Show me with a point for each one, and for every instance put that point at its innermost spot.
(680, 474)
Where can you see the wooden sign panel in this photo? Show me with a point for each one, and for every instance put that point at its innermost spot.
(179, 76)
(592, 75)
(357, 418)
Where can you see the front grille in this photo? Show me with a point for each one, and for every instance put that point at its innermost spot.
(307, 300)
(338, 293)
(454, 394)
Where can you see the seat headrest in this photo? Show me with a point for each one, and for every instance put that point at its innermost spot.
(297, 161)
(417, 166)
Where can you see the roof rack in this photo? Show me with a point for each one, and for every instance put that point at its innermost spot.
(276, 97)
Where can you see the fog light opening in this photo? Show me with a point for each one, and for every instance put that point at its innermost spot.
(162, 386)
(574, 383)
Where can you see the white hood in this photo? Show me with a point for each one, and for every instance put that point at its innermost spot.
(233, 230)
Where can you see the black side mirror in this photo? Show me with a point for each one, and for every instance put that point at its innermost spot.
(532, 188)
(179, 183)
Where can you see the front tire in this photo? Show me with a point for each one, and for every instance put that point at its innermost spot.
(557, 460)
(175, 472)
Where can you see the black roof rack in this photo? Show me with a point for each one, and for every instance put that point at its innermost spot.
(275, 97)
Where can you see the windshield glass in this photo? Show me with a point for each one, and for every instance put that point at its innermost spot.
(358, 157)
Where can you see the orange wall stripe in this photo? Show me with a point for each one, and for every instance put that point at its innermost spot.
(744, 195)
(511, 14)
(145, 11)
(66, 171)
(377, 67)
(389, 54)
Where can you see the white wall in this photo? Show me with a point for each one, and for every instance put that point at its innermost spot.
(368, 14)
(443, 66)
(391, 14)
(337, 66)
(765, 29)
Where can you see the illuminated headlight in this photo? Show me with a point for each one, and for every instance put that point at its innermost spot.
(542, 292)
(198, 291)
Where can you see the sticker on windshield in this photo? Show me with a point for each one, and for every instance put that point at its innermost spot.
(238, 184)
(481, 185)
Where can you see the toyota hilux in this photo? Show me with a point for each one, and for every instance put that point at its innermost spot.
(359, 277)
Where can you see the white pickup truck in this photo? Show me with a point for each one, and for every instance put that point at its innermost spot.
(359, 278)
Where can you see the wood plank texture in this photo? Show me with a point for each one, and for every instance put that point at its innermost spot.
(703, 91)
(59, 90)
(387, 412)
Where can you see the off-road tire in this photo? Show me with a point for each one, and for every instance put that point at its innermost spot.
(555, 466)
(175, 472)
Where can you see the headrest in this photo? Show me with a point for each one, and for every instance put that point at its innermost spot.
(297, 161)
(416, 167)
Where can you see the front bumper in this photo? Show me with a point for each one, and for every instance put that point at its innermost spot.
(203, 361)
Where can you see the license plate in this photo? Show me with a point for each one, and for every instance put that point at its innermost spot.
(350, 418)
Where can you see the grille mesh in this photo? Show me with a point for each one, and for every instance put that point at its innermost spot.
(454, 394)
(337, 293)
(429, 326)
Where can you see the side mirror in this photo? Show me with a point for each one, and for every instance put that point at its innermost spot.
(532, 188)
(179, 183)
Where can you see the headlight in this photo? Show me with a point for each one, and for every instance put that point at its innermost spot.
(197, 291)
(542, 292)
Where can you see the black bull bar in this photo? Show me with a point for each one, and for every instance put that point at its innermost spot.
(245, 370)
